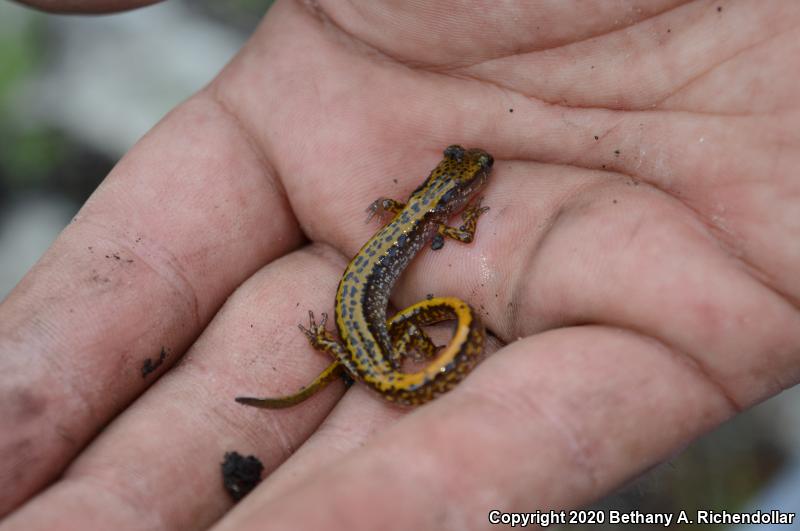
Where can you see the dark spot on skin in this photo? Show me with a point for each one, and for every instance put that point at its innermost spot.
(511, 110)
(394, 181)
(596, 137)
(614, 201)
(669, 30)
(149, 365)
(603, 166)
(616, 152)
(719, 9)
(26, 405)
(240, 474)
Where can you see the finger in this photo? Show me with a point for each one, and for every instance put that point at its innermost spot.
(158, 464)
(549, 422)
(188, 214)
(730, 159)
(358, 418)
(672, 58)
(634, 257)
(86, 6)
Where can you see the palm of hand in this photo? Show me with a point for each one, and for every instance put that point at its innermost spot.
(643, 259)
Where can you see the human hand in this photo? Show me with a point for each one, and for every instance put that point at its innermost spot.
(635, 268)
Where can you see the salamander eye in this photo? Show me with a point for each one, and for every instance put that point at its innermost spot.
(486, 161)
(455, 152)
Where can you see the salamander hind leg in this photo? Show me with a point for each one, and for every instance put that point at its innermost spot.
(452, 362)
(466, 232)
(410, 340)
(320, 339)
(383, 206)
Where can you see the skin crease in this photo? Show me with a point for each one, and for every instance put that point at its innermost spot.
(637, 268)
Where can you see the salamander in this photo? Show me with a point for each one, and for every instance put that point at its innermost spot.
(370, 348)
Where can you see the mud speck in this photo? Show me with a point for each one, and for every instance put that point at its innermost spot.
(149, 365)
(240, 474)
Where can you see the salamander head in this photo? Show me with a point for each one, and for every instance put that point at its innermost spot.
(458, 176)
(472, 156)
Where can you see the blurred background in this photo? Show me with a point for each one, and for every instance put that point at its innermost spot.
(77, 92)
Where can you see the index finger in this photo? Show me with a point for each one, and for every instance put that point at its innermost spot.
(188, 214)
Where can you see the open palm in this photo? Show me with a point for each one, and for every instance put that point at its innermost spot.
(635, 270)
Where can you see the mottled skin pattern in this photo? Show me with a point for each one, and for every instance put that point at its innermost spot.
(371, 348)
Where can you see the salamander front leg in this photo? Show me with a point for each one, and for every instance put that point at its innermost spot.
(466, 232)
(320, 339)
